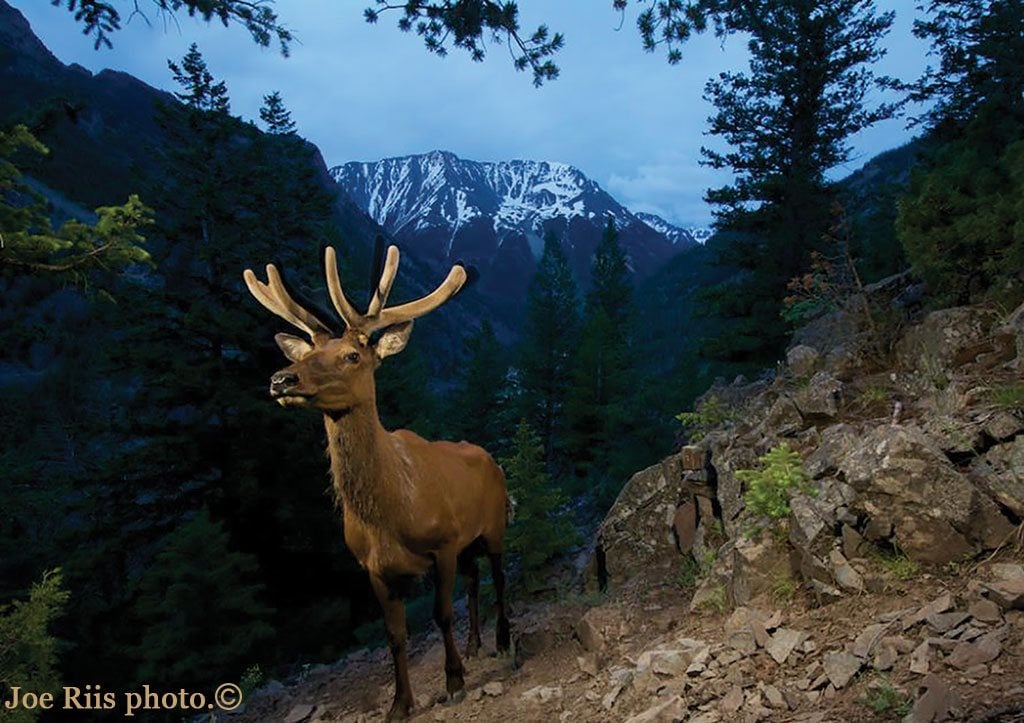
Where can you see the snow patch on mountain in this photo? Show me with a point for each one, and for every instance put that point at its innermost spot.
(678, 236)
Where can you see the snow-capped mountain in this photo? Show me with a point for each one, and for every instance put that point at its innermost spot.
(495, 214)
(700, 234)
(678, 236)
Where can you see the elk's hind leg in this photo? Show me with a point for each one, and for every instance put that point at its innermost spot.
(394, 623)
(471, 574)
(445, 565)
(502, 635)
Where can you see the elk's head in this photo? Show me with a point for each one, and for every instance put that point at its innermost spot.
(335, 373)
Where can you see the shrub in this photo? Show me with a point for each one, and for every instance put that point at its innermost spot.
(28, 650)
(710, 414)
(769, 487)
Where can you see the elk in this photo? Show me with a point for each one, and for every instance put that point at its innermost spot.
(407, 504)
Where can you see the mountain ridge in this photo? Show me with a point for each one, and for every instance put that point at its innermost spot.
(495, 214)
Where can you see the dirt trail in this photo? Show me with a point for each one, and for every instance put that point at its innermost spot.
(554, 677)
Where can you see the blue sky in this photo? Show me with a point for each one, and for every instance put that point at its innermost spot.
(363, 92)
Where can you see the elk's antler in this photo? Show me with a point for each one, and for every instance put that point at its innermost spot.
(276, 299)
(377, 315)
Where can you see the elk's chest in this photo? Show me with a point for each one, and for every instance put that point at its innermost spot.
(381, 552)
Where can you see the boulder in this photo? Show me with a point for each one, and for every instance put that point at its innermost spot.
(638, 529)
(802, 360)
(1001, 470)
(821, 398)
(905, 484)
(946, 339)
(757, 568)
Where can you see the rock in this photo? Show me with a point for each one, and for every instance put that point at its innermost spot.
(841, 667)
(299, 713)
(939, 605)
(944, 622)
(542, 693)
(774, 697)
(589, 631)
(985, 611)
(864, 644)
(732, 702)
(671, 710)
(744, 630)
(1003, 425)
(853, 542)
(966, 655)
(825, 594)
(608, 702)
(945, 340)
(802, 360)
(845, 576)
(1006, 571)
(589, 662)
(920, 659)
(905, 481)
(936, 703)
(821, 398)
(494, 688)
(1001, 469)
(757, 567)
(684, 525)
(1007, 595)
(885, 657)
(534, 640)
(665, 662)
(783, 642)
(783, 418)
(638, 528)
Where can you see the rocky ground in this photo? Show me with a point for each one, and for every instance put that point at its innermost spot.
(935, 647)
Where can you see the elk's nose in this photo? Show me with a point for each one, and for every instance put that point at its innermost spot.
(283, 381)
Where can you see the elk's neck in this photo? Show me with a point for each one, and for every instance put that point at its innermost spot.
(361, 462)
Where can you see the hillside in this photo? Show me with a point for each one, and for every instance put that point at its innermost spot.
(893, 587)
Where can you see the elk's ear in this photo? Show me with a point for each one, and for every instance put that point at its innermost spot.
(394, 339)
(293, 347)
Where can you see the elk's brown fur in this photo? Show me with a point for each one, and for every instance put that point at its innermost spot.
(408, 504)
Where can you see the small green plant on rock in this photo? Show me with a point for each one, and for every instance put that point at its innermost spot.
(895, 565)
(716, 600)
(1009, 397)
(710, 414)
(884, 699)
(769, 487)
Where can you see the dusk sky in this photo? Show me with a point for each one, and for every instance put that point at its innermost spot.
(363, 92)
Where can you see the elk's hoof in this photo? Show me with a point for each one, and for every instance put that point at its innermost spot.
(456, 697)
(399, 711)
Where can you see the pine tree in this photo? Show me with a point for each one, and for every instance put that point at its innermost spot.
(539, 530)
(28, 648)
(199, 610)
(979, 45)
(276, 117)
(201, 92)
(788, 121)
(76, 249)
(549, 338)
(960, 221)
(480, 401)
(598, 408)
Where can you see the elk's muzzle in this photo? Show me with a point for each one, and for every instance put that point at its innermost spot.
(282, 382)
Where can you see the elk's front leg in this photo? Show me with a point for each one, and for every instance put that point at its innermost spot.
(443, 616)
(394, 623)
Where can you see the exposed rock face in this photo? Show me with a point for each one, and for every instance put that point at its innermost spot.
(938, 475)
(905, 482)
(638, 529)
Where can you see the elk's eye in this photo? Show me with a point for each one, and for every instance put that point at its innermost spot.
(352, 357)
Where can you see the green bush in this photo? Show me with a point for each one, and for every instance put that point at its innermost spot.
(711, 413)
(769, 487)
(28, 650)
